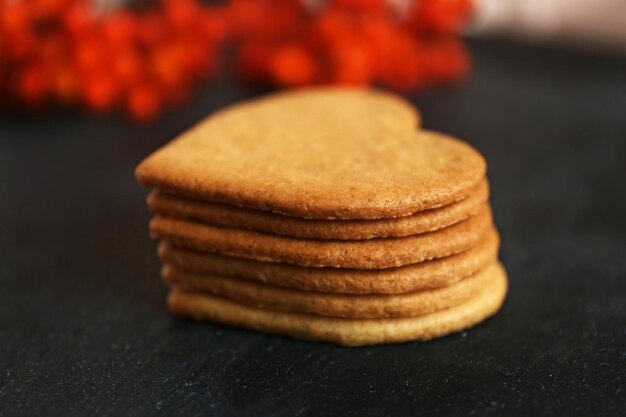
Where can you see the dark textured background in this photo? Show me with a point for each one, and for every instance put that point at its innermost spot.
(84, 330)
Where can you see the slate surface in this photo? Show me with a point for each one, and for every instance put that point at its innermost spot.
(84, 331)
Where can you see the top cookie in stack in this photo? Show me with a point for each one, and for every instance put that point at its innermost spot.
(322, 183)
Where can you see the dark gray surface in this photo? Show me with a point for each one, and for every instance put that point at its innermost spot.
(84, 330)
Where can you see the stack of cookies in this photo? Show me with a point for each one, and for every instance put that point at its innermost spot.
(325, 214)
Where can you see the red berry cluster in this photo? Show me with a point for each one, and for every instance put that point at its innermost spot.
(401, 44)
(69, 52)
(78, 52)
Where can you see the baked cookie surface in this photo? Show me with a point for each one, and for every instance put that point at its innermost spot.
(347, 332)
(229, 216)
(416, 277)
(360, 254)
(326, 153)
(334, 305)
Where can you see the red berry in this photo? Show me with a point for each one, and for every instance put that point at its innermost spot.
(119, 29)
(100, 91)
(353, 64)
(127, 66)
(32, 84)
(182, 13)
(215, 24)
(64, 83)
(144, 102)
(293, 65)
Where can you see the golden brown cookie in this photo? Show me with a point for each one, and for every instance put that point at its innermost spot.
(361, 254)
(334, 305)
(229, 216)
(416, 277)
(321, 153)
(347, 332)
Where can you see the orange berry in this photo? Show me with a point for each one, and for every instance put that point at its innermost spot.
(353, 66)
(293, 65)
(459, 60)
(440, 16)
(284, 18)
(90, 53)
(445, 60)
(52, 8)
(168, 64)
(17, 23)
(32, 84)
(215, 24)
(100, 91)
(182, 13)
(64, 83)
(119, 28)
(144, 102)
(78, 20)
(247, 16)
(329, 27)
(404, 70)
(151, 29)
(127, 66)
(17, 18)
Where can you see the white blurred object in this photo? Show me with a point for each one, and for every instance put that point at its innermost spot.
(584, 22)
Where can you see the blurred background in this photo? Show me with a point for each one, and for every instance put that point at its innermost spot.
(142, 57)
